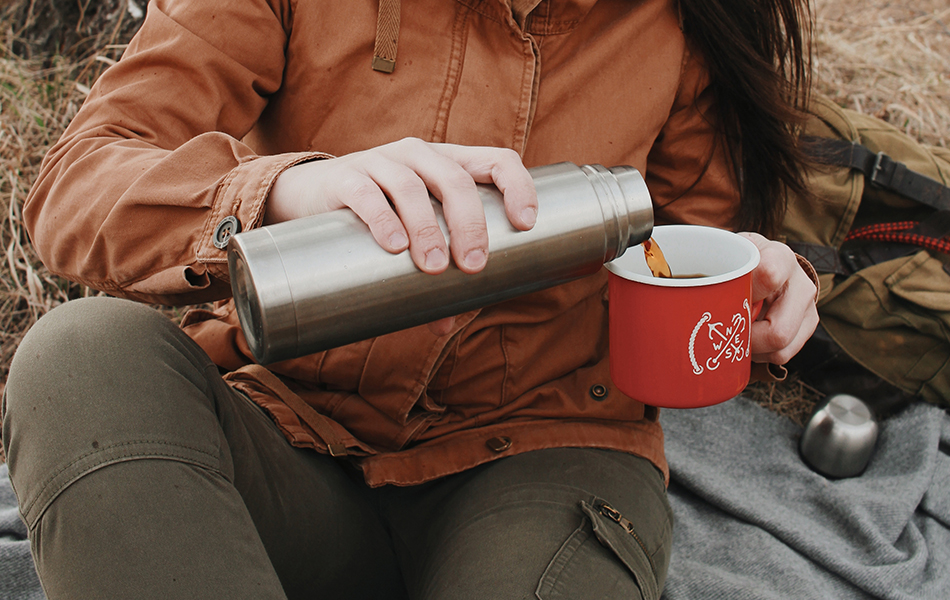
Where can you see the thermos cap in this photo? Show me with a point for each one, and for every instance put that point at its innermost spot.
(840, 436)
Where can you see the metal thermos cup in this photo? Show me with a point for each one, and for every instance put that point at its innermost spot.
(839, 438)
(315, 283)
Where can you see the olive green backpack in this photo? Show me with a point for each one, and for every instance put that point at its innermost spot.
(877, 230)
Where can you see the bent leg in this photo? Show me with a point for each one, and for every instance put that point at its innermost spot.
(535, 526)
(140, 473)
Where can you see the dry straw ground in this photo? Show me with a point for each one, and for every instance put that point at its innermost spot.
(889, 59)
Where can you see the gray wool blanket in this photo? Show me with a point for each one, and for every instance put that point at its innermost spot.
(752, 521)
(17, 576)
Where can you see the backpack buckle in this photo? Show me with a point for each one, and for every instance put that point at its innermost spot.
(878, 173)
(885, 171)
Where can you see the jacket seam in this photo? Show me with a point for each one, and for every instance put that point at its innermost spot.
(109, 286)
(507, 359)
(257, 204)
(453, 76)
(453, 362)
(120, 287)
(292, 8)
(647, 451)
(220, 195)
(475, 6)
(543, 25)
(525, 105)
(112, 285)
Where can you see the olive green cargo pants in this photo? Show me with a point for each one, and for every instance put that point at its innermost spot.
(141, 474)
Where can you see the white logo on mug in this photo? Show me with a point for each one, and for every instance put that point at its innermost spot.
(727, 343)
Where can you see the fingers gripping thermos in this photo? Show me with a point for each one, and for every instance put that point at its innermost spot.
(319, 282)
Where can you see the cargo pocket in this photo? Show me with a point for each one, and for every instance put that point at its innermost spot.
(894, 319)
(603, 558)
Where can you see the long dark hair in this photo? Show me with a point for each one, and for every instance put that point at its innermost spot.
(759, 56)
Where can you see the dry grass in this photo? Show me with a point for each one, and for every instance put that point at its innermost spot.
(38, 97)
(886, 59)
(791, 398)
(890, 60)
(37, 100)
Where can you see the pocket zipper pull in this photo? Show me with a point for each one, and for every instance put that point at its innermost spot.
(614, 515)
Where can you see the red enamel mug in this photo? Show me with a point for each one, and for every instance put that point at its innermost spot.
(683, 342)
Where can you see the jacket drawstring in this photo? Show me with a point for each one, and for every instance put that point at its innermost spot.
(387, 36)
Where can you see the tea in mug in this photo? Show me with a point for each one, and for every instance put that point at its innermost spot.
(658, 265)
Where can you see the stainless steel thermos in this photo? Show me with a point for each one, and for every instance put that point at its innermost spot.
(319, 282)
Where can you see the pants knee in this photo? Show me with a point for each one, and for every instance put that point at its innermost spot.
(91, 334)
(87, 353)
(101, 380)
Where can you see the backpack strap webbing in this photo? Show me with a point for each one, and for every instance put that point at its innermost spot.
(892, 240)
(879, 169)
(825, 259)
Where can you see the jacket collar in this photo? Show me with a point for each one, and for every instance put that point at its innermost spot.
(536, 17)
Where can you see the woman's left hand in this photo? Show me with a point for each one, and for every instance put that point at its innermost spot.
(789, 315)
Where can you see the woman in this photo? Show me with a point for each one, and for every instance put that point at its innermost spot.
(461, 459)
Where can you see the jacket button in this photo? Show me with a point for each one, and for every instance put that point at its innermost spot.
(499, 444)
(598, 391)
(228, 227)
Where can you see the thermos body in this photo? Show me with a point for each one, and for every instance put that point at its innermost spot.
(319, 282)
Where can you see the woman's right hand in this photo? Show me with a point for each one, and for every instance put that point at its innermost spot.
(388, 188)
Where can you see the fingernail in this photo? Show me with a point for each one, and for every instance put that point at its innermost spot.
(529, 216)
(398, 240)
(475, 260)
(436, 259)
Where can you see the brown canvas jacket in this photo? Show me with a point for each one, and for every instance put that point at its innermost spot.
(213, 99)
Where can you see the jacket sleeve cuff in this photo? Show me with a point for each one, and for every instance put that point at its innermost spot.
(768, 372)
(239, 205)
(811, 272)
